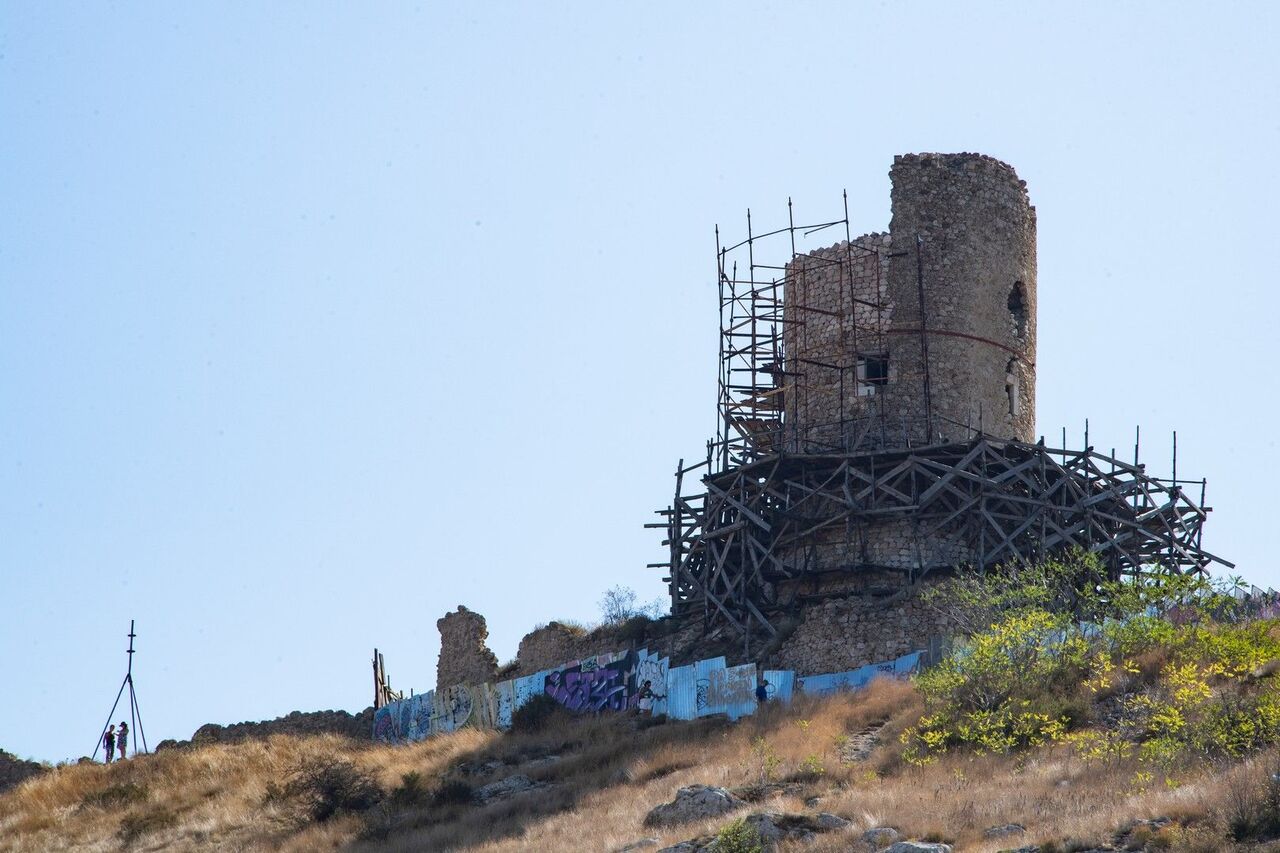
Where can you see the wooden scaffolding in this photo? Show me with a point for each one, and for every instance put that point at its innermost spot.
(752, 527)
(765, 507)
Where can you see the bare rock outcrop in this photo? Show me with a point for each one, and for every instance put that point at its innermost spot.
(694, 802)
(771, 830)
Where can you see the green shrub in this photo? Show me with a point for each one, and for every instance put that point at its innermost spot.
(738, 837)
(453, 792)
(810, 770)
(1000, 693)
(766, 759)
(1049, 641)
(410, 791)
(538, 714)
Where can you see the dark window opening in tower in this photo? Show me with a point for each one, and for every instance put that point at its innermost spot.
(873, 373)
(1011, 386)
(1018, 308)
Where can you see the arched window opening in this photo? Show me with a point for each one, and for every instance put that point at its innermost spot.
(1018, 308)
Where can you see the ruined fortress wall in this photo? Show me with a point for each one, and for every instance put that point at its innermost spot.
(861, 301)
(847, 633)
(295, 723)
(853, 628)
(464, 656)
(978, 259)
(835, 307)
(554, 643)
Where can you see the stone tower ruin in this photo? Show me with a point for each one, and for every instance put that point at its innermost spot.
(877, 415)
(877, 358)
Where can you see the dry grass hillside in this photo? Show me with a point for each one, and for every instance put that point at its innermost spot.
(1074, 716)
(597, 779)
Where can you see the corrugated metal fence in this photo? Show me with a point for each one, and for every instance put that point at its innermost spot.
(631, 680)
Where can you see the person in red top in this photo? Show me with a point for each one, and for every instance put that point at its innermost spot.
(109, 743)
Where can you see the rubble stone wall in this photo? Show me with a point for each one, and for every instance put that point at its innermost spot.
(976, 263)
(14, 770)
(837, 308)
(846, 633)
(975, 266)
(893, 542)
(555, 643)
(296, 723)
(464, 656)
(551, 644)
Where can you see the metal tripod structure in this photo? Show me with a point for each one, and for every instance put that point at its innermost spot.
(135, 716)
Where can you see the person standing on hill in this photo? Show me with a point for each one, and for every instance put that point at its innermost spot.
(122, 739)
(645, 697)
(109, 744)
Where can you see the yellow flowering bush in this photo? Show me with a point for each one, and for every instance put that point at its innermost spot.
(1154, 669)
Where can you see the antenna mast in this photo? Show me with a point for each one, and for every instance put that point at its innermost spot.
(135, 716)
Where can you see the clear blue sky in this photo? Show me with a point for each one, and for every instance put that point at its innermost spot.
(318, 320)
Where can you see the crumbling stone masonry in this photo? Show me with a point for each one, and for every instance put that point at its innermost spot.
(955, 273)
(555, 643)
(552, 644)
(877, 418)
(464, 656)
(846, 633)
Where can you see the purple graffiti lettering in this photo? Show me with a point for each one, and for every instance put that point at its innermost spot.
(594, 690)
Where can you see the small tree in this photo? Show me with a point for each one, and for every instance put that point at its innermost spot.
(325, 787)
(619, 604)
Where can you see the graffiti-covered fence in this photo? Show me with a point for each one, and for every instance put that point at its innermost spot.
(620, 681)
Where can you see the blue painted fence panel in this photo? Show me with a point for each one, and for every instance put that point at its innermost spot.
(682, 693)
(702, 679)
(907, 664)
(836, 682)
(504, 692)
(407, 720)
(734, 690)
(780, 683)
(524, 689)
